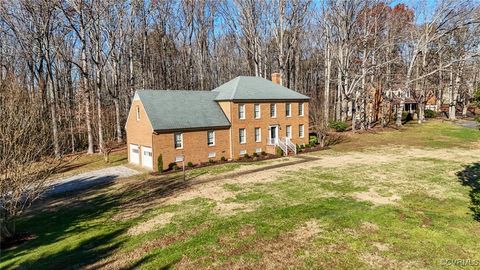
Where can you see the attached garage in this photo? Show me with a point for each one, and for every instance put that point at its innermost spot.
(147, 157)
(134, 154)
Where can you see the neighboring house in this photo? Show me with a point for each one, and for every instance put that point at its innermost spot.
(243, 116)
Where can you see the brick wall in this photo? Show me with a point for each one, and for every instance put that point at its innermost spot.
(138, 132)
(195, 147)
(250, 123)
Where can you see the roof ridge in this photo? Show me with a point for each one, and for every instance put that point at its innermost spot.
(235, 86)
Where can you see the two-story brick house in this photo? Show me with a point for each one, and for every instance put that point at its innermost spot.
(243, 116)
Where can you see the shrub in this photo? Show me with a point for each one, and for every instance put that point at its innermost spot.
(246, 156)
(190, 164)
(255, 154)
(211, 161)
(430, 114)
(278, 151)
(312, 139)
(406, 116)
(160, 164)
(339, 126)
(263, 153)
(223, 159)
(299, 148)
(173, 166)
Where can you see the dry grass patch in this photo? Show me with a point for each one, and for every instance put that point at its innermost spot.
(372, 196)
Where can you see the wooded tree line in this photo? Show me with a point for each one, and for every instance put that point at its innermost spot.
(80, 61)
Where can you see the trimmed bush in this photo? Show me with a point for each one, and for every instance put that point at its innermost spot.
(246, 156)
(223, 159)
(313, 140)
(160, 164)
(190, 164)
(211, 161)
(278, 151)
(255, 154)
(263, 153)
(430, 114)
(339, 126)
(172, 166)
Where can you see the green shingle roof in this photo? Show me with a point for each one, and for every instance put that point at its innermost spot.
(180, 109)
(255, 88)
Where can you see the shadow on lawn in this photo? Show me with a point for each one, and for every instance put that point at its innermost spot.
(470, 177)
(53, 224)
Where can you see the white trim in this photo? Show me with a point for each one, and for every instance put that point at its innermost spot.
(289, 111)
(274, 110)
(277, 127)
(244, 136)
(241, 108)
(213, 132)
(175, 140)
(301, 128)
(259, 134)
(301, 105)
(259, 111)
(258, 150)
(211, 154)
(288, 129)
(243, 152)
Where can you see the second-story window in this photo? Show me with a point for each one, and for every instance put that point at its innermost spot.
(273, 110)
(288, 109)
(241, 111)
(211, 138)
(256, 111)
(178, 137)
(138, 113)
(300, 109)
(242, 136)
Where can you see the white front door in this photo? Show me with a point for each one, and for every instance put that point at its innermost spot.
(272, 134)
(134, 154)
(147, 159)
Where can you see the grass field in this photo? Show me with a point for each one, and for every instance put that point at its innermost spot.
(392, 199)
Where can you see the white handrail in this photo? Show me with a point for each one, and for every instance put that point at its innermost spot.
(292, 146)
(282, 146)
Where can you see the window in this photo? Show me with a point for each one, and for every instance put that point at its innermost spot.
(147, 153)
(243, 152)
(211, 138)
(241, 111)
(135, 150)
(258, 135)
(241, 135)
(178, 140)
(138, 113)
(288, 109)
(289, 132)
(300, 109)
(273, 110)
(256, 111)
(300, 131)
(258, 150)
(211, 154)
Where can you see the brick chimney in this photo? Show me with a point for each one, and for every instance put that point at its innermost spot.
(277, 78)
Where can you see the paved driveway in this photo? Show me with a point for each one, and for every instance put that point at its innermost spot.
(88, 179)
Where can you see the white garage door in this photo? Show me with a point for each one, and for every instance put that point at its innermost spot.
(147, 160)
(134, 154)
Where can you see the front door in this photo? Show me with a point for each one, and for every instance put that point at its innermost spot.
(273, 134)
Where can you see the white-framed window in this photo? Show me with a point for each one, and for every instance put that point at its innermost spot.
(301, 132)
(288, 109)
(137, 109)
(211, 138)
(212, 154)
(258, 134)
(273, 110)
(147, 153)
(243, 152)
(300, 109)
(289, 132)
(258, 150)
(242, 135)
(256, 111)
(241, 111)
(178, 137)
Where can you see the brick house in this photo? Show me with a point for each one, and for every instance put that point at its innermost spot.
(243, 116)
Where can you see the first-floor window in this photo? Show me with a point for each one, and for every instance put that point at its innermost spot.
(289, 132)
(178, 140)
(211, 154)
(301, 131)
(211, 137)
(258, 135)
(241, 135)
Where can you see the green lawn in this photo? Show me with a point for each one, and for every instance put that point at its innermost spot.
(393, 199)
